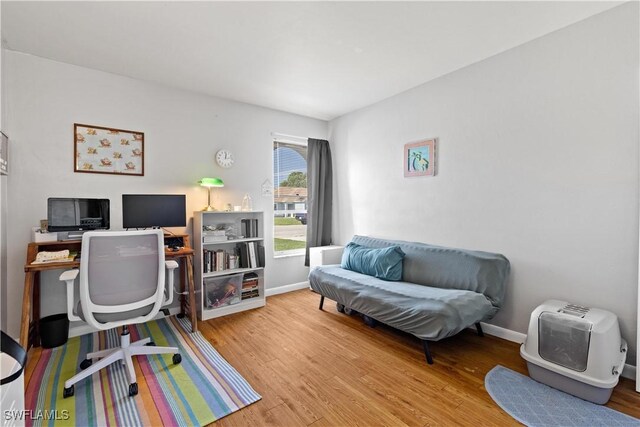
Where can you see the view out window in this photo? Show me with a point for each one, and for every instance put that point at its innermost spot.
(289, 197)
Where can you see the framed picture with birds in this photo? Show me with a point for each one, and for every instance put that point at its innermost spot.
(420, 158)
(100, 149)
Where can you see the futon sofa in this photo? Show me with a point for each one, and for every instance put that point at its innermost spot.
(441, 290)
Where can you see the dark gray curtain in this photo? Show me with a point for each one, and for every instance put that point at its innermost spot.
(319, 194)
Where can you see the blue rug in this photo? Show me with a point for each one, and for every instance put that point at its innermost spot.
(536, 404)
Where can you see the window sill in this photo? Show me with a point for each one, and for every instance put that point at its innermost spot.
(288, 255)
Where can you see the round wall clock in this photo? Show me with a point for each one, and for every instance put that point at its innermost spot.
(224, 158)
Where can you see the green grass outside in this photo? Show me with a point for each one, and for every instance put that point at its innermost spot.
(285, 221)
(287, 245)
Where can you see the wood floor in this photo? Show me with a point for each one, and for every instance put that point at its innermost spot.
(323, 368)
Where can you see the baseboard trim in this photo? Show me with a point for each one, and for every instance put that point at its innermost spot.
(286, 288)
(629, 371)
(504, 333)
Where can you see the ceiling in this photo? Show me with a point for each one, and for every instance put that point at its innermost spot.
(318, 59)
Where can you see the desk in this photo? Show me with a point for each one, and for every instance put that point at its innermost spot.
(29, 326)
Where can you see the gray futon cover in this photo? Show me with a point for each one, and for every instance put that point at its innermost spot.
(443, 290)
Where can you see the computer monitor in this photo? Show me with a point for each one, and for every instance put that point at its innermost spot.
(153, 210)
(72, 214)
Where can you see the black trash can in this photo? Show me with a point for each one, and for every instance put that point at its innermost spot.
(54, 330)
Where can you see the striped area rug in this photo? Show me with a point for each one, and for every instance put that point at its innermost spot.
(201, 389)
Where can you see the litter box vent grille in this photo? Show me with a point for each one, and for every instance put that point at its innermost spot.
(575, 310)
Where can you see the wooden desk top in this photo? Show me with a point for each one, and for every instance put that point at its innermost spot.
(176, 254)
(76, 245)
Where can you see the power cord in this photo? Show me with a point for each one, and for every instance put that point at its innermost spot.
(175, 291)
(168, 231)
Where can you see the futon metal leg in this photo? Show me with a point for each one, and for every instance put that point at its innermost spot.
(321, 302)
(479, 328)
(427, 352)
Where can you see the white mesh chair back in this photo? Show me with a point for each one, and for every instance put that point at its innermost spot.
(122, 277)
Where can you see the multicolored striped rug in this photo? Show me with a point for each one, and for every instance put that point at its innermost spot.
(201, 389)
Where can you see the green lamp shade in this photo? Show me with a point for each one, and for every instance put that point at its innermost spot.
(211, 182)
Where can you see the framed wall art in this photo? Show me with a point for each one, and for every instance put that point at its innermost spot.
(99, 149)
(420, 158)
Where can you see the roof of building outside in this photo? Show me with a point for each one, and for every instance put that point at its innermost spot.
(290, 195)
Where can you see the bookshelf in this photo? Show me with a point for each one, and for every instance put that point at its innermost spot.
(222, 280)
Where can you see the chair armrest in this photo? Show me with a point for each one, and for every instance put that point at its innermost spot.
(168, 295)
(69, 276)
(325, 255)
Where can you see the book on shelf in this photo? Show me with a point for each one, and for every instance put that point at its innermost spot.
(219, 260)
(238, 251)
(254, 228)
(214, 233)
(250, 288)
(261, 257)
(219, 257)
(207, 261)
(253, 260)
(250, 255)
(249, 228)
(214, 239)
(252, 294)
(243, 254)
(249, 282)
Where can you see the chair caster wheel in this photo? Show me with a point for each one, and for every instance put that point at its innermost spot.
(177, 358)
(133, 389)
(340, 307)
(68, 392)
(349, 311)
(85, 364)
(151, 344)
(370, 321)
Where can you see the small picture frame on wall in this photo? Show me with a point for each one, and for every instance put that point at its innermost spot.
(98, 149)
(420, 158)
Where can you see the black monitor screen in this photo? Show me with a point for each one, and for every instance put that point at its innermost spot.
(153, 210)
(67, 214)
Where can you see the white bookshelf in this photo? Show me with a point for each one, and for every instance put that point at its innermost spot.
(203, 218)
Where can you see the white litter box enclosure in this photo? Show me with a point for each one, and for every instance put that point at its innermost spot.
(575, 349)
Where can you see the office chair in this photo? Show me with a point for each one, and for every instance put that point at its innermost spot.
(122, 282)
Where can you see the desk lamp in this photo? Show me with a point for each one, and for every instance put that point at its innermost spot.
(210, 183)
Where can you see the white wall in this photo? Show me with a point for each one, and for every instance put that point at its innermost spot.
(538, 160)
(3, 216)
(183, 131)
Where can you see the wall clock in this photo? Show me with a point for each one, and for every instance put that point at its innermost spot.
(224, 158)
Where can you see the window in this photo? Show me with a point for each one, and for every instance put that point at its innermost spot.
(289, 197)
